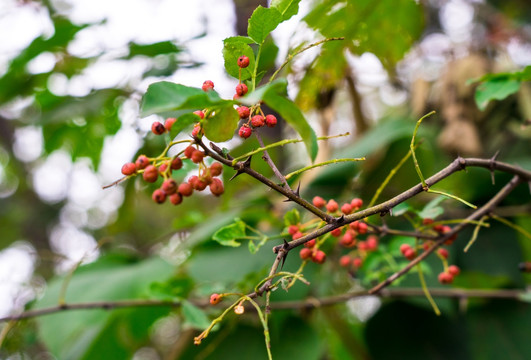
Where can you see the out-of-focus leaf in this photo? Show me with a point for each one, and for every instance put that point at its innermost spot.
(233, 48)
(432, 210)
(496, 89)
(194, 316)
(292, 217)
(401, 209)
(228, 235)
(262, 22)
(221, 126)
(152, 50)
(183, 122)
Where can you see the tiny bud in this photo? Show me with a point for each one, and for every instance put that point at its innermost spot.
(239, 309)
(215, 299)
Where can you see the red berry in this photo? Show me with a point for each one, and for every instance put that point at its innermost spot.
(243, 61)
(158, 128)
(292, 229)
(216, 169)
(169, 186)
(443, 252)
(196, 130)
(141, 162)
(410, 254)
(176, 163)
(197, 156)
(216, 187)
(199, 184)
(215, 298)
(427, 221)
(319, 257)
(244, 112)
(236, 97)
(356, 203)
(159, 196)
(207, 85)
(176, 198)
(354, 225)
(336, 232)
(245, 131)
(372, 243)
(454, 270)
(345, 260)
(257, 121)
(346, 209)
(348, 240)
(169, 123)
(128, 169)
(185, 189)
(162, 168)
(445, 278)
(310, 244)
(206, 176)
(318, 202)
(200, 114)
(427, 245)
(357, 262)
(451, 239)
(404, 248)
(362, 246)
(332, 206)
(297, 235)
(271, 120)
(150, 174)
(305, 253)
(439, 228)
(362, 228)
(241, 89)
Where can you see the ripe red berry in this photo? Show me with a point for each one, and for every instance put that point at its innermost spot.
(162, 168)
(439, 228)
(216, 187)
(216, 169)
(169, 186)
(362, 246)
(336, 232)
(176, 198)
(292, 229)
(159, 196)
(197, 156)
(305, 253)
(199, 184)
(310, 244)
(176, 163)
(245, 131)
(318, 201)
(362, 228)
(345, 260)
(454, 270)
(357, 262)
(196, 130)
(348, 240)
(128, 169)
(207, 85)
(200, 114)
(271, 120)
(158, 128)
(410, 254)
(141, 162)
(169, 123)
(189, 151)
(427, 245)
(215, 299)
(319, 257)
(243, 111)
(443, 252)
(445, 278)
(372, 243)
(257, 121)
(243, 61)
(297, 235)
(241, 89)
(185, 189)
(346, 208)
(427, 221)
(151, 173)
(332, 206)
(356, 203)
(404, 248)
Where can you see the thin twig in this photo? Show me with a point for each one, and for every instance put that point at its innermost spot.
(270, 162)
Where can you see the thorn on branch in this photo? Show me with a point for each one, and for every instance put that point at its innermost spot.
(240, 166)
(492, 165)
(296, 192)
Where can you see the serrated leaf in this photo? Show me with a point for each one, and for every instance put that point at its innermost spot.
(287, 8)
(495, 89)
(194, 316)
(221, 126)
(233, 48)
(292, 217)
(228, 235)
(262, 22)
(165, 96)
(183, 122)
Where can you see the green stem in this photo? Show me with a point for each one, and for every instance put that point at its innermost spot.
(475, 234)
(334, 161)
(426, 291)
(453, 197)
(412, 148)
(263, 320)
(518, 228)
(255, 70)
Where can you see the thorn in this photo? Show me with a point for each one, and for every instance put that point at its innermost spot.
(492, 165)
(285, 246)
(340, 219)
(385, 212)
(241, 166)
(296, 192)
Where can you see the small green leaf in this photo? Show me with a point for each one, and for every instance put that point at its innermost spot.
(233, 48)
(401, 209)
(183, 122)
(432, 210)
(497, 89)
(292, 217)
(194, 316)
(228, 235)
(221, 126)
(287, 8)
(262, 22)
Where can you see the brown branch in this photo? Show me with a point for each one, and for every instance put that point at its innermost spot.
(271, 164)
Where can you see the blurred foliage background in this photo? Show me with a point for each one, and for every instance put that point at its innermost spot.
(60, 141)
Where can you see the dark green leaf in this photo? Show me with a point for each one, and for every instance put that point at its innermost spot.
(221, 126)
(228, 235)
(262, 22)
(496, 89)
(287, 8)
(194, 316)
(233, 48)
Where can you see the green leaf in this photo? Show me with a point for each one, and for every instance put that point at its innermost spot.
(526, 296)
(233, 48)
(194, 316)
(165, 96)
(401, 209)
(497, 89)
(432, 210)
(292, 217)
(228, 235)
(287, 8)
(183, 122)
(221, 126)
(262, 22)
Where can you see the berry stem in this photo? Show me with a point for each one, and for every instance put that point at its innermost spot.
(425, 287)
(475, 234)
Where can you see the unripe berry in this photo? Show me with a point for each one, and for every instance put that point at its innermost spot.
(332, 206)
(141, 162)
(305, 253)
(128, 169)
(356, 203)
(271, 120)
(216, 187)
(207, 85)
(454, 270)
(214, 299)
(243, 61)
(216, 169)
(176, 163)
(245, 131)
(158, 128)
(241, 89)
(443, 252)
(345, 260)
(257, 121)
(243, 111)
(169, 123)
(297, 235)
(319, 257)
(150, 174)
(310, 244)
(357, 262)
(159, 196)
(176, 198)
(336, 232)
(200, 114)
(189, 151)
(197, 156)
(185, 189)
(318, 201)
(169, 186)
(292, 229)
(346, 208)
(445, 278)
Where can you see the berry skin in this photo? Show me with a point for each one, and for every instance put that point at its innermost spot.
(243, 61)
(150, 174)
(189, 151)
(362, 228)
(157, 128)
(332, 206)
(318, 202)
(162, 168)
(346, 209)
(141, 162)
(128, 169)
(169, 186)
(427, 221)
(336, 232)
(319, 257)
(271, 120)
(310, 244)
(215, 299)
(245, 131)
(404, 248)
(169, 123)
(196, 130)
(216, 169)
(176, 198)
(443, 253)
(257, 121)
(185, 189)
(176, 163)
(297, 235)
(159, 196)
(200, 114)
(305, 253)
(348, 240)
(357, 262)
(197, 156)
(362, 246)
(241, 89)
(199, 185)
(207, 85)
(356, 203)
(445, 278)
(244, 112)
(292, 229)
(372, 243)
(410, 254)
(454, 270)
(345, 260)
(216, 187)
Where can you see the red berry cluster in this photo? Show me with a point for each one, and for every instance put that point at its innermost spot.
(159, 128)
